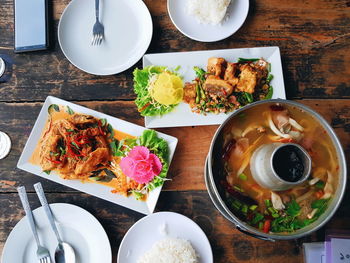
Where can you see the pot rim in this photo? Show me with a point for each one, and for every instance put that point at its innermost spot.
(327, 215)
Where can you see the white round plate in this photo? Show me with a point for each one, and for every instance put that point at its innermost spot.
(148, 230)
(127, 29)
(76, 226)
(190, 27)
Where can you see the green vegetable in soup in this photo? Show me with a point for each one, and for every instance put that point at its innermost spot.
(320, 184)
(293, 209)
(290, 222)
(268, 202)
(257, 218)
(243, 177)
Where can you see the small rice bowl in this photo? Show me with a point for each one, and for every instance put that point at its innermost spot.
(208, 11)
(170, 250)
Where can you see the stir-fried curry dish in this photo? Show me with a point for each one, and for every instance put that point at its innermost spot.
(79, 146)
(225, 86)
(76, 146)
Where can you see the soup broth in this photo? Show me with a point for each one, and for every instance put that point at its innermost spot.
(283, 211)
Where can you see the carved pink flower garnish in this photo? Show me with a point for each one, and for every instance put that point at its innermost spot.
(141, 165)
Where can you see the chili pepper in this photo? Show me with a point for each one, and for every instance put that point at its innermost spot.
(82, 139)
(144, 107)
(267, 225)
(70, 151)
(250, 216)
(319, 194)
(284, 140)
(54, 161)
(237, 195)
(227, 149)
(47, 131)
(224, 91)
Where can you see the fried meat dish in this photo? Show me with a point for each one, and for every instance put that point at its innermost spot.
(225, 85)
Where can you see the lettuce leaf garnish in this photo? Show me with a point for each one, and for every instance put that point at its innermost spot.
(146, 105)
(156, 145)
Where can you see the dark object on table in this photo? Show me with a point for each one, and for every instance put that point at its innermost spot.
(31, 26)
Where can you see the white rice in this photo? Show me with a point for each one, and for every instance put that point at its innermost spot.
(170, 250)
(208, 11)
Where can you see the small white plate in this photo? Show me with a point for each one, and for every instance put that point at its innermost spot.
(188, 25)
(101, 191)
(127, 28)
(76, 227)
(182, 114)
(148, 230)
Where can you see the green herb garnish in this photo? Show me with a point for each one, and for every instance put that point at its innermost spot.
(248, 96)
(114, 147)
(75, 145)
(70, 111)
(53, 107)
(269, 78)
(200, 73)
(100, 177)
(269, 93)
(246, 60)
(103, 122)
(138, 195)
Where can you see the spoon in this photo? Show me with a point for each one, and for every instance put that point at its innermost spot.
(64, 252)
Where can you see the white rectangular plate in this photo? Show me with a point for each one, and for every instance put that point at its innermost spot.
(182, 114)
(97, 190)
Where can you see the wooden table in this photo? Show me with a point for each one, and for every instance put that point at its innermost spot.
(314, 40)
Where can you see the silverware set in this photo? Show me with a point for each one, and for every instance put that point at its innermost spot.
(64, 252)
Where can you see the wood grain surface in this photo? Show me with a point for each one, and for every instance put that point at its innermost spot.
(314, 40)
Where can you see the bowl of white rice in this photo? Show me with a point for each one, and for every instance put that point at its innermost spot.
(170, 250)
(165, 237)
(208, 20)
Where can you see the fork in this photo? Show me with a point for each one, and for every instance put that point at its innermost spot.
(42, 253)
(98, 30)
